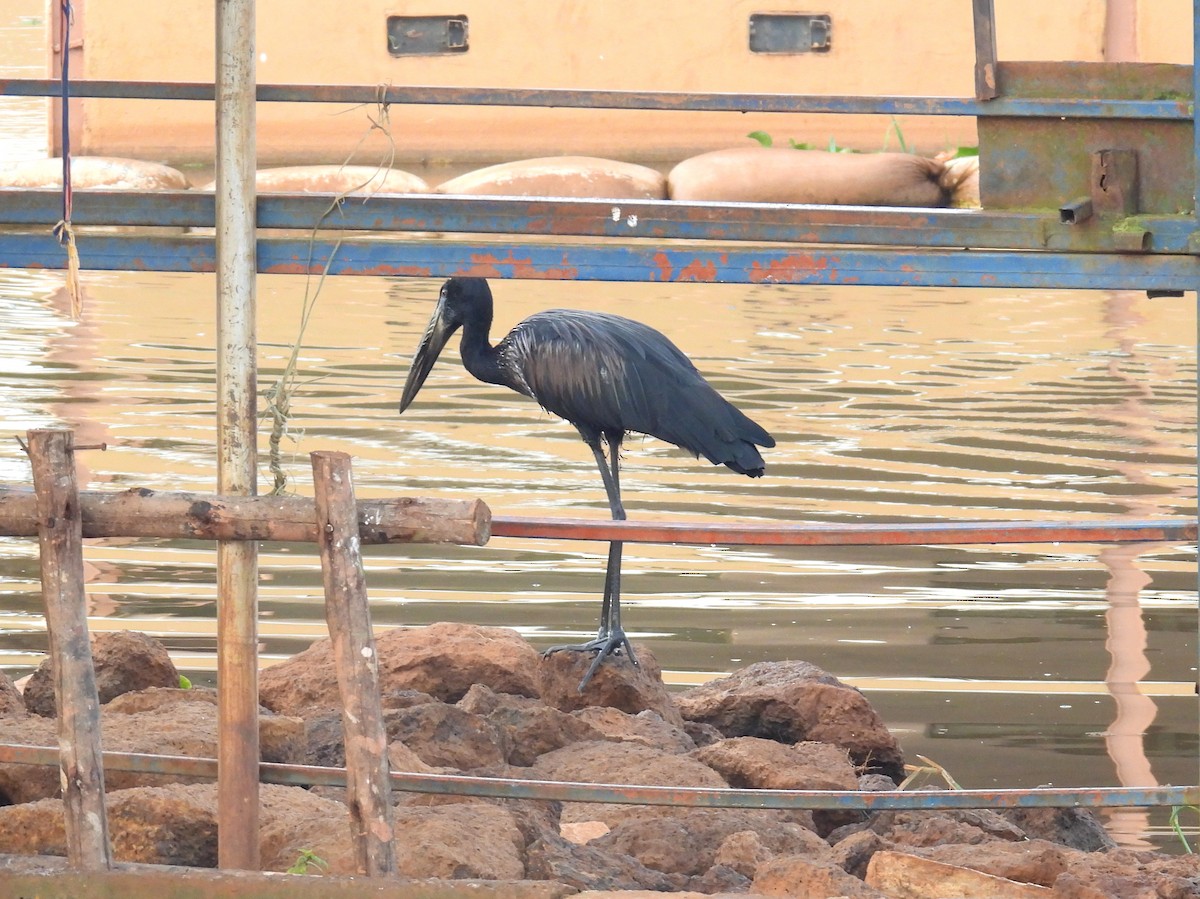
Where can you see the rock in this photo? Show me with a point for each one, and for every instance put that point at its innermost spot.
(404, 699)
(169, 722)
(1129, 875)
(562, 176)
(445, 736)
(647, 728)
(687, 841)
(719, 879)
(903, 876)
(617, 684)
(910, 829)
(603, 762)
(1031, 861)
(529, 727)
(28, 783)
(1077, 828)
(171, 825)
(124, 661)
(584, 831)
(443, 660)
(758, 764)
(762, 175)
(464, 840)
(401, 758)
(12, 703)
(294, 821)
(793, 702)
(34, 828)
(353, 180)
(588, 867)
(802, 878)
(702, 734)
(853, 853)
(459, 842)
(324, 740)
(99, 172)
(743, 852)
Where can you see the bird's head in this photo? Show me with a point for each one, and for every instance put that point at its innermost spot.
(460, 301)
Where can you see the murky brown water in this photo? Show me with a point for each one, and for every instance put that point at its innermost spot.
(1011, 666)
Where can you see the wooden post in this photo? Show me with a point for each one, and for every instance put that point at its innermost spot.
(60, 534)
(368, 786)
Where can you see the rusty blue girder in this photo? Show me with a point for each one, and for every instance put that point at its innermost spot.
(626, 219)
(633, 261)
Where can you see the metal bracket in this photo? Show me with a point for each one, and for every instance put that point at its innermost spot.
(426, 35)
(790, 33)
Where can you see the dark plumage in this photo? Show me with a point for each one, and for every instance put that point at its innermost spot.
(608, 376)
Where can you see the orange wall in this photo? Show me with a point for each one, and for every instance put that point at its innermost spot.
(879, 47)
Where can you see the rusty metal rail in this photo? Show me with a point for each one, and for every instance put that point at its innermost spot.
(1169, 109)
(853, 534)
(690, 797)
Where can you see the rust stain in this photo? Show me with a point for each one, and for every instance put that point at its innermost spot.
(484, 266)
(797, 268)
(665, 269)
(699, 270)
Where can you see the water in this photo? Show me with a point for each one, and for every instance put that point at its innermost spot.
(1011, 666)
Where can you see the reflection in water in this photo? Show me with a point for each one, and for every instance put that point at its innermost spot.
(1127, 639)
(888, 405)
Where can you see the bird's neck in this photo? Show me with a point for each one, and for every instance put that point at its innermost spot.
(479, 357)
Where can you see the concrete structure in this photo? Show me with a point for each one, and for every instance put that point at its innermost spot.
(877, 47)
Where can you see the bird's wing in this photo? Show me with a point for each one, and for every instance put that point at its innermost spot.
(606, 373)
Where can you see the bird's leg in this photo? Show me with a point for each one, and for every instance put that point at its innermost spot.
(611, 637)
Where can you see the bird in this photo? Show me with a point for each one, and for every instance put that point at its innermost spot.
(608, 376)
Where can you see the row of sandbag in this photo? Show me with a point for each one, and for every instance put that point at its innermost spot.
(749, 174)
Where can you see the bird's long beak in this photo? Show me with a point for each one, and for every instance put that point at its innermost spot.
(437, 332)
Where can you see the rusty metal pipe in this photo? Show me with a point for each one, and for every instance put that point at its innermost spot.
(694, 797)
(852, 534)
(237, 562)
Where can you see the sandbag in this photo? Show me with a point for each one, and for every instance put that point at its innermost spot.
(562, 176)
(780, 175)
(353, 180)
(97, 172)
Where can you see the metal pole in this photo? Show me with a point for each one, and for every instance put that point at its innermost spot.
(1196, 249)
(237, 562)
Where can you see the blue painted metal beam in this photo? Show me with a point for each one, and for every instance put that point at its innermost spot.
(1080, 108)
(654, 219)
(643, 261)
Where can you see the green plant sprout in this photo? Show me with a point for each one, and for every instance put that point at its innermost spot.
(308, 859)
(1178, 828)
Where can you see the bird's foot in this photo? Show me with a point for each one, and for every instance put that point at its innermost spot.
(603, 646)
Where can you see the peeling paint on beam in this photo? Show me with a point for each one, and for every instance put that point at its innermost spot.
(730, 264)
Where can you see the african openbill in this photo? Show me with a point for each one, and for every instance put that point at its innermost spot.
(606, 375)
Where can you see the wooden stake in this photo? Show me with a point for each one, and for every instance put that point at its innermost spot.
(60, 533)
(368, 786)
